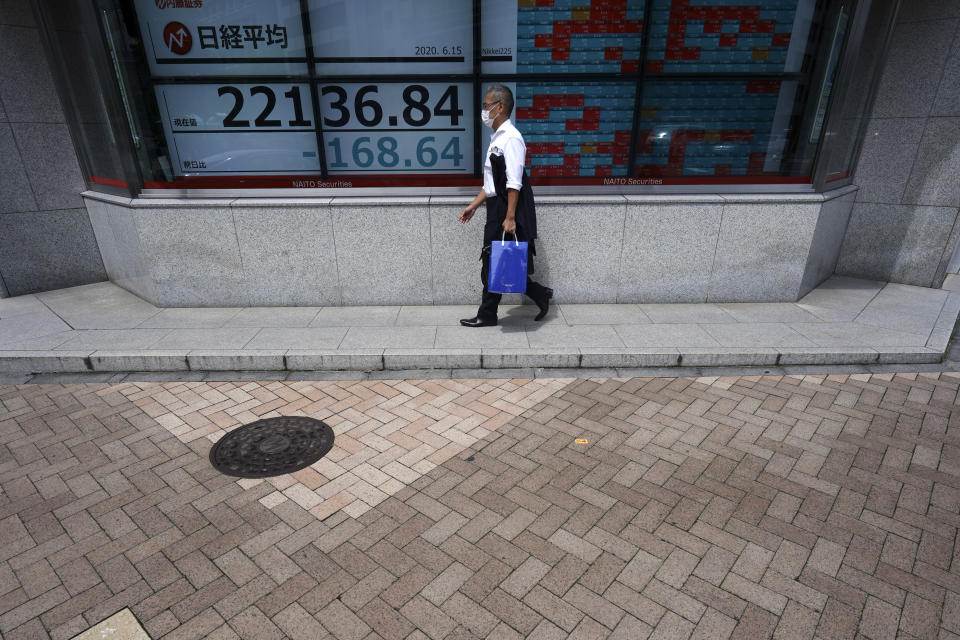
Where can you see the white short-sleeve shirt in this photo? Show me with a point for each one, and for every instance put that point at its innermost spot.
(508, 142)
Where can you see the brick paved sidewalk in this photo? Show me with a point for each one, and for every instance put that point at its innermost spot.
(750, 507)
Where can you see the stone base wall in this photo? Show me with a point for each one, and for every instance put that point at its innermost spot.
(412, 251)
(46, 241)
(905, 224)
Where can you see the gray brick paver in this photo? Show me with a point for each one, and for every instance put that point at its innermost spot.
(298, 624)
(200, 626)
(753, 562)
(714, 626)
(40, 577)
(602, 573)
(838, 621)
(880, 620)
(919, 617)
(245, 596)
(677, 568)
(797, 623)
(672, 627)
(428, 618)
(794, 590)
(640, 570)
(826, 557)
(553, 608)
(575, 545)
(674, 600)
(342, 623)
(447, 583)
(470, 615)
(525, 577)
(32, 609)
(714, 565)
(236, 565)
(751, 507)
(251, 624)
(755, 623)
(594, 606)
(754, 593)
(444, 528)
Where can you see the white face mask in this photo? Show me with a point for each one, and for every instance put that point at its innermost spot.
(485, 116)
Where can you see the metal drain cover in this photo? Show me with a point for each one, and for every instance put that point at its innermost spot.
(272, 447)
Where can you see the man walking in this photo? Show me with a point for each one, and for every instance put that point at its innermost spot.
(509, 198)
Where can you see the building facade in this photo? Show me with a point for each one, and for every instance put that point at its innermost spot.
(318, 152)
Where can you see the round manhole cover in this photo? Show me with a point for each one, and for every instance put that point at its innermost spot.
(272, 447)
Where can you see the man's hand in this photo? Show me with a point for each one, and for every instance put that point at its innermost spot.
(510, 225)
(467, 213)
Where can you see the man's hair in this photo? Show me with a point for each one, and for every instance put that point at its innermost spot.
(504, 95)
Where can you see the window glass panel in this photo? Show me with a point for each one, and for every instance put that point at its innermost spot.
(562, 36)
(372, 37)
(577, 130)
(420, 128)
(844, 131)
(714, 128)
(203, 38)
(239, 128)
(84, 92)
(691, 36)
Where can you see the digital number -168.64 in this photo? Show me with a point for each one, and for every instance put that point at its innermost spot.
(387, 152)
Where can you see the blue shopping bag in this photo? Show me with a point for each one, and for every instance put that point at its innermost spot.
(508, 266)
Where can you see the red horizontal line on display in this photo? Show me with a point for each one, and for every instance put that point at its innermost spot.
(646, 181)
(833, 177)
(110, 182)
(285, 181)
(414, 180)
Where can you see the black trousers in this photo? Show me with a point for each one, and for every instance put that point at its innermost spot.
(490, 301)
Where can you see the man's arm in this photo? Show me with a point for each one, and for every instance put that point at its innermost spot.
(471, 208)
(514, 155)
(510, 223)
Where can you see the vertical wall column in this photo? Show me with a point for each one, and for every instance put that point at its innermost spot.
(46, 241)
(904, 226)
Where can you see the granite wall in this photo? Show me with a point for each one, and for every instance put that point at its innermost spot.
(46, 241)
(392, 251)
(905, 225)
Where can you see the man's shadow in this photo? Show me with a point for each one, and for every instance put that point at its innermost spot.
(520, 318)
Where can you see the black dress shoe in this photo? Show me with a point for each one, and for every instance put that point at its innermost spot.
(477, 322)
(544, 305)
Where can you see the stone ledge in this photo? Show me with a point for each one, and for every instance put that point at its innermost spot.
(827, 355)
(228, 360)
(334, 360)
(140, 360)
(946, 323)
(399, 359)
(45, 361)
(339, 199)
(455, 359)
(724, 357)
(598, 357)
